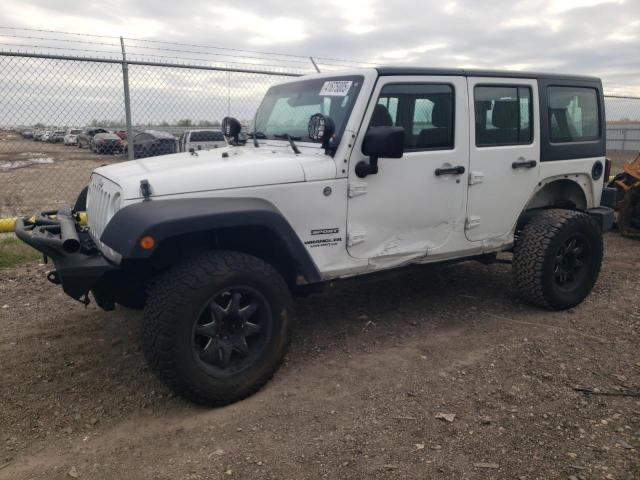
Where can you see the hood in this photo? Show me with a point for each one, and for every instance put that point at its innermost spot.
(218, 169)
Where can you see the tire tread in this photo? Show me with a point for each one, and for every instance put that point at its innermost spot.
(170, 295)
(532, 247)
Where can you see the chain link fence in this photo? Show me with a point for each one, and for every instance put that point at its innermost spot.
(45, 97)
(623, 129)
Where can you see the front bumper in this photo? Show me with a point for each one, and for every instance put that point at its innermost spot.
(79, 266)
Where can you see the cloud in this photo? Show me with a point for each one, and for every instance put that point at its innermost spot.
(562, 6)
(98, 21)
(596, 37)
(358, 16)
(256, 29)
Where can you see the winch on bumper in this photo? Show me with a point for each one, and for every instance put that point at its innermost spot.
(79, 266)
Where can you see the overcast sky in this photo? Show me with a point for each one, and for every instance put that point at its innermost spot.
(599, 37)
(596, 37)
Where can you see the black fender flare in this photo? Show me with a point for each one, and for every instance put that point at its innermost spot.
(166, 219)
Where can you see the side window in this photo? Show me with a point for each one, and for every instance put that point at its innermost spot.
(573, 114)
(425, 111)
(204, 136)
(504, 115)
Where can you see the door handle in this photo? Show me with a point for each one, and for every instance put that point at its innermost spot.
(522, 163)
(458, 170)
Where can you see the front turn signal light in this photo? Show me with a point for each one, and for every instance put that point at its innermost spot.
(147, 242)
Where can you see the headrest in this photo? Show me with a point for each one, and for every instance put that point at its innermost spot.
(505, 114)
(381, 117)
(441, 114)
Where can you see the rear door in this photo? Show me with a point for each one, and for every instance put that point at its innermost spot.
(504, 154)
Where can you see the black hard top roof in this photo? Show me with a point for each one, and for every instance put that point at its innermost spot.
(408, 71)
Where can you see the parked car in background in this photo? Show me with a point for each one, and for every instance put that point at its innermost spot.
(45, 136)
(152, 143)
(121, 133)
(37, 135)
(83, 139)
(57, 136)
(106, 143)
(71, 137)
(201, 140)
(27, 133)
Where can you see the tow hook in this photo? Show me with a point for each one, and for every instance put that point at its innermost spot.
(53, 277)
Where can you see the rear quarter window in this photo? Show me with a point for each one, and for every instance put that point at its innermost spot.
(573, 114)
(572, 118)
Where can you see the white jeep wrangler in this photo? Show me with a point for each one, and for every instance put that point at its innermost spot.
(343, 175)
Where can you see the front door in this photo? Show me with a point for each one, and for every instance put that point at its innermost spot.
(505, 154)
(413, 205)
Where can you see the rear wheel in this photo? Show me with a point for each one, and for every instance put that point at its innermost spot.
(216, 327)
(557, 258)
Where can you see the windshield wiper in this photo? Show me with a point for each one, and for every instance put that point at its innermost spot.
(291, 139)
(256, 136)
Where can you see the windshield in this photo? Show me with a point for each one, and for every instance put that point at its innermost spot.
(286, 108)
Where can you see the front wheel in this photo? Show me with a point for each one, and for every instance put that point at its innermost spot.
(557, 258)
(217, 326)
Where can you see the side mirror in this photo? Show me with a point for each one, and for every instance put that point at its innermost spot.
(380, 142)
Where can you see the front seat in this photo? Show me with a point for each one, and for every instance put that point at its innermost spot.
(381, 117)
(439, 135)
(505, 117)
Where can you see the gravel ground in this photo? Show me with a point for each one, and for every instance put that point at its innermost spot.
(372, 364)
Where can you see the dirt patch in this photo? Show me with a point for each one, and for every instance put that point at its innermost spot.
(38, 175)
(373, 362)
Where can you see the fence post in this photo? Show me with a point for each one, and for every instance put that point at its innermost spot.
(127, 100)
(315, 65)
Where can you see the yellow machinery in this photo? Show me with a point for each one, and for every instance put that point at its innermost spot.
(8, 225)
(627, 184)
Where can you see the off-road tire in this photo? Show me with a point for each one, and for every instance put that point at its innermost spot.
(175, 303)
(535, 255)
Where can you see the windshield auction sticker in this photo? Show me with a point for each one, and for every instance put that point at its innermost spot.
(335, 88)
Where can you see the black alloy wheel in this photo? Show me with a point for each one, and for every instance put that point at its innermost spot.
(232, 330)
(571, 263)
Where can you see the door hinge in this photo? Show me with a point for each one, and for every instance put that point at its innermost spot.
(476, 177)
(472, 222)
(354, 238)
(357, 188)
